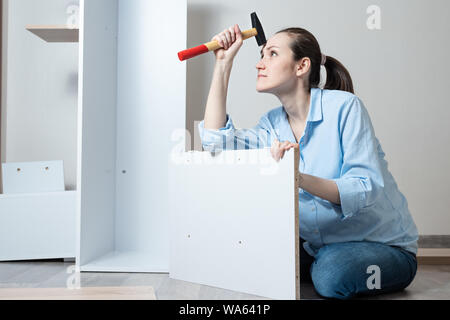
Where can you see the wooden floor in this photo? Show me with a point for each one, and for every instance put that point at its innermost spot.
(81, 293)
(431, 282)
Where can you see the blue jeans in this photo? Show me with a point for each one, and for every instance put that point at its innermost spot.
(346, 270)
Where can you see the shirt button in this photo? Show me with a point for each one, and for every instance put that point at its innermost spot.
(312, 209)
(316, 231)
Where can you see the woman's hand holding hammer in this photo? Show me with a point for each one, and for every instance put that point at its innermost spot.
(231, 41)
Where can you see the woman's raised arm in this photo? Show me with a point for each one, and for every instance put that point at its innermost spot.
(215, 113)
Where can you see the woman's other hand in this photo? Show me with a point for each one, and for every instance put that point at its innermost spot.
(231, 41)
(279, 148)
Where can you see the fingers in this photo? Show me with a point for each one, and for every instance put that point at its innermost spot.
(229, 36)
(274, 148)
(238, 32)
(232, 34)
(218, 39)
(287, 145)
(284, 146)
(279, 148)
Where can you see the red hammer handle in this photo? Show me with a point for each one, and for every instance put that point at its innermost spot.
(193, 52)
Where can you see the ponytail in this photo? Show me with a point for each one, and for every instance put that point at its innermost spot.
(304, 44)
(338, 77)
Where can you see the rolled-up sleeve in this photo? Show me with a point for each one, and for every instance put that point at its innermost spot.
(361, 180)
(230, 138)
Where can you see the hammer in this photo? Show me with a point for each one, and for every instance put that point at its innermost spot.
(257, 32)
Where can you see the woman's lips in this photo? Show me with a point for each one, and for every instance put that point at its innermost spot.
(261, 76)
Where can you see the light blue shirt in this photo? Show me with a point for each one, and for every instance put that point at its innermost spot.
(339, 144)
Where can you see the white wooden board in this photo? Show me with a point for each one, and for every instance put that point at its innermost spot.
(37, 226)
(97, 91)
(127, 92)
(233, 221)
(29, 177)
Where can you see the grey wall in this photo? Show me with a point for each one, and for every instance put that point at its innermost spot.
(400, 73)
(39, 109)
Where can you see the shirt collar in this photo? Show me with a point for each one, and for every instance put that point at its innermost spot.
(315, 114)
(315, 108)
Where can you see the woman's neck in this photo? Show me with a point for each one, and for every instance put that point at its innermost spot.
(297, 104)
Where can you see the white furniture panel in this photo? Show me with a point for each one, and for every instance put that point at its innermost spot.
(132, 97)
(31, 177)
(234, 222)
(96, 128)
(37, 226)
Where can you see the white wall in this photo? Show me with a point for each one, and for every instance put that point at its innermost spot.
(400, 72)
(39, 109)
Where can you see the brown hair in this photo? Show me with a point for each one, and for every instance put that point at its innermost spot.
(304, 44)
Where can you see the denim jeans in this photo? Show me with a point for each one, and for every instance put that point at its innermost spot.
(345, 270)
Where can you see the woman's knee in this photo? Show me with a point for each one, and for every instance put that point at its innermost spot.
(332, 276)
(337, 272)
(332, 283)
(341, 270)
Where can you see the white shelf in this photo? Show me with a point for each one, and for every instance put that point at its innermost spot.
(126, 261)
(55, 33)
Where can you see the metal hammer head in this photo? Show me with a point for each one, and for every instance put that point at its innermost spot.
(260, 37)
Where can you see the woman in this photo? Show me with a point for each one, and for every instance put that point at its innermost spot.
(357, 235)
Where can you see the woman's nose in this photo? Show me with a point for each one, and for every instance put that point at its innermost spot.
(260, 65)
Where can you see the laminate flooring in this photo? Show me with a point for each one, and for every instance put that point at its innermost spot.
(431, 282)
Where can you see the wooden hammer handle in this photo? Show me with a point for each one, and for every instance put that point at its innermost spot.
(211, 46)
(214, 45)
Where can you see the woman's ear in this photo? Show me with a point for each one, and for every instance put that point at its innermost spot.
(303, 66)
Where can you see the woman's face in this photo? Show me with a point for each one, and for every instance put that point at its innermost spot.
(277, 70)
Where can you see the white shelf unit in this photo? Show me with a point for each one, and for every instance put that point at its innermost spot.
(37, 215)
(132, 96)
(37, 226)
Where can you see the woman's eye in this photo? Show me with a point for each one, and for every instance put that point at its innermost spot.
(271, 54)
